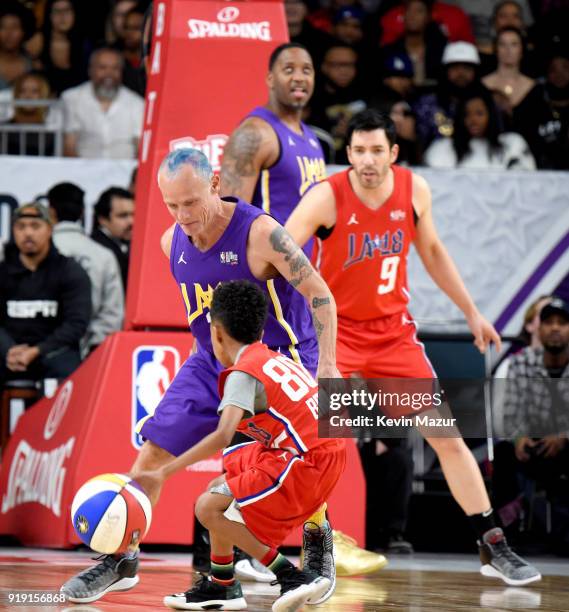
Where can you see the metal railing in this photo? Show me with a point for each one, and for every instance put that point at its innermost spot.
(33, 138)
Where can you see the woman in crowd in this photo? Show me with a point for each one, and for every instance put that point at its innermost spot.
(31, 86)
(63, 55)
(16, 26)
(512, 87)
(478, 141)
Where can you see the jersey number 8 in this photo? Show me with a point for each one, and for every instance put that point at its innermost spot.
(294, 380)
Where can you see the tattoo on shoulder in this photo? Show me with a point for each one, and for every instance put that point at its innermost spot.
(300, 267)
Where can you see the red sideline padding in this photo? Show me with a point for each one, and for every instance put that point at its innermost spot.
(207, 70)
(88, 429)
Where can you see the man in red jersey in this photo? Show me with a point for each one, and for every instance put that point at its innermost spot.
(273, 482)
(367, 217)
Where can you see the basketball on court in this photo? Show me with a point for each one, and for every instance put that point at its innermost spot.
(110, 513)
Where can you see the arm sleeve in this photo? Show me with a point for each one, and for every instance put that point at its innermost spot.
(240, 390)
(75, 307)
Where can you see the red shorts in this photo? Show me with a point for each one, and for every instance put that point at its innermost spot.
(278, 491)
(382, 348)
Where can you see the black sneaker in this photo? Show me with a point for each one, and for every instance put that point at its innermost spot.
(208, 595)
(299, 587)
(109, 575)
(317, 556)
(247, 568)
(398, 545)
(500, 561)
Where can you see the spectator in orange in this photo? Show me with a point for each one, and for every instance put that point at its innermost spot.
(422, 41)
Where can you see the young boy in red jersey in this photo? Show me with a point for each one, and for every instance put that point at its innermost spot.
(271, 484)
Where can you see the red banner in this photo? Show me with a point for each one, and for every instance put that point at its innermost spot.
(207, 70)
(88, 429)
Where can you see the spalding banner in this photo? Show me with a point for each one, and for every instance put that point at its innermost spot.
(207, 71)
(88, 428)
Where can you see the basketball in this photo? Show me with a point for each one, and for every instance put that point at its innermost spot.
(110, 513)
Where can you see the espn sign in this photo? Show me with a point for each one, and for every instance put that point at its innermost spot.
(225, 27)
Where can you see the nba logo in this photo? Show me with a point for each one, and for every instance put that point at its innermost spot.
(153, 368)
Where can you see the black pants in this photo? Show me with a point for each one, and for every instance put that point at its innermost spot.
(389, 478)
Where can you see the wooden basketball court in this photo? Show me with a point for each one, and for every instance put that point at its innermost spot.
(441, 583)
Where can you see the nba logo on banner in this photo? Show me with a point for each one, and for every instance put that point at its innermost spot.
(153, 368)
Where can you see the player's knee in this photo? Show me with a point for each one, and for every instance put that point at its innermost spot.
(205, 509)
(216, 481)
(151, 457)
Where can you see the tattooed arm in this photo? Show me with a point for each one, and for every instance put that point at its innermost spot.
(252, 147)
(271, 247)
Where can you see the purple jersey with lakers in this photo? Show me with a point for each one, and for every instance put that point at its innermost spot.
(197, 273)
(300, 165)
(188, 411)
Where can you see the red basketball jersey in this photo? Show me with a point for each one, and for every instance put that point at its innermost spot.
(291, 421)
(364, 260)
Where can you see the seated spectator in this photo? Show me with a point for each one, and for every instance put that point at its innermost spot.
(32, 86)
(536, 415)
(508, 78)
(338, 96)
(301, 31)
(347, 25)
(482, 15)
(452, 20)
(102, 117)
(435, 111)
(397, 83)
(64, 53)
(114, 214)
(133, 74)
(45, 302)
(404, 119)
(528, 336)
(114, 30)
(16, 26)
(543, 117)
(323, 18)
(477, 141)
(107, 295)
(422, 41)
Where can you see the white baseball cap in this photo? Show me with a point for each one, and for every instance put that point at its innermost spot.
(461, 52)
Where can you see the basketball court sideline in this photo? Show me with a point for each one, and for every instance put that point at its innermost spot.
(420, 583)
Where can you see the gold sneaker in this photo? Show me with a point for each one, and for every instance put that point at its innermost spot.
(352, 560)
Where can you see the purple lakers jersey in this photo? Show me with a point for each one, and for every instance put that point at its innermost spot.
(300, 165)
(289, 321)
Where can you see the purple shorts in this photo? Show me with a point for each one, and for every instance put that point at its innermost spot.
(188, 411)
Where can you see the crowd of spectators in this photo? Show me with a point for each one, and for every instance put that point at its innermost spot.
(500, 68)
(62, 292)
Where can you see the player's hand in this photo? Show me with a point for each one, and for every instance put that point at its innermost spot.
(328, 371)
(151, 482)
(551, 446)
(483, 332)
(521, 448)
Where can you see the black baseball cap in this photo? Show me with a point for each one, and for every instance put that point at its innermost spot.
(556, 306)
(33, 210)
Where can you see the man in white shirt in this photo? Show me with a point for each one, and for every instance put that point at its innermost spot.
(102, 117)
